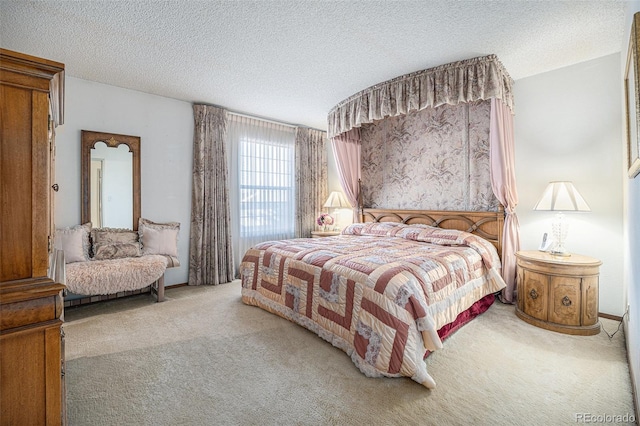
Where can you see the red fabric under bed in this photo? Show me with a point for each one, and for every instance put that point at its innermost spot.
(464, 317)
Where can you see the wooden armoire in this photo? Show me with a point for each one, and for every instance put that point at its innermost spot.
(31, 306)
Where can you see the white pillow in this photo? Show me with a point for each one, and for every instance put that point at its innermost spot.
(159, 238)
(74, 241)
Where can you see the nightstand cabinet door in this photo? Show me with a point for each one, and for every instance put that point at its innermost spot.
(565, 300)
(590, 306)
(535, 296)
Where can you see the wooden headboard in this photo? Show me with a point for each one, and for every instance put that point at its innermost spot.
(487, 225)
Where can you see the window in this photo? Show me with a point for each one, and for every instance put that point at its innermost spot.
(267, 198)
(262, 182)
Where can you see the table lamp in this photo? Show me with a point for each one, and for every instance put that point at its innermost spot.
(336, 201)
(561, 197)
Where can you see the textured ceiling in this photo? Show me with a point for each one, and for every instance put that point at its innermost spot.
(294, 60)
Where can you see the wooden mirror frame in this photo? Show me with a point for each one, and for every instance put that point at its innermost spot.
(632, 98)
(112, 140)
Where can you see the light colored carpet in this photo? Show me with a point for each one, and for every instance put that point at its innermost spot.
(204, 358)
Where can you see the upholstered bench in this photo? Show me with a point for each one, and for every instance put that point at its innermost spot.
(107, 263)
(97, 277)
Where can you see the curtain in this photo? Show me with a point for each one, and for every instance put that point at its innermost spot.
(211, 255)
(503, 182)
(463, 81)
(57, 266)
(56, 97)
(311, 178)
(263, 190)
(346, 148)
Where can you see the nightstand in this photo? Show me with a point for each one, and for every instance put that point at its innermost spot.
(320, 234)
(558, 293)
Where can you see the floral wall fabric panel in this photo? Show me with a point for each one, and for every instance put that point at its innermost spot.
(481, 195)
(434, 159)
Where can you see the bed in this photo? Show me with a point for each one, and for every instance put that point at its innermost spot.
(388, 290)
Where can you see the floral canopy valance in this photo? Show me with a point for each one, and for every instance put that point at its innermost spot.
(464, 81)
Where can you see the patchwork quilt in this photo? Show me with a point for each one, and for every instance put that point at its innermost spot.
(379, 291)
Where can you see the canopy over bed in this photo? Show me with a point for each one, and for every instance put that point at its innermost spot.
(463, 82)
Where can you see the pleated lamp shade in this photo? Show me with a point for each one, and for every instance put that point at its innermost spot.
(562, 196)
(337, 201)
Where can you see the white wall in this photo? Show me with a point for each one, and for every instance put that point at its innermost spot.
(165, 127)
(568, 127)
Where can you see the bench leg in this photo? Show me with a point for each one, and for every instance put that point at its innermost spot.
(160, 288)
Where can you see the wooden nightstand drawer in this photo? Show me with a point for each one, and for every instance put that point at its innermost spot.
(558, 293)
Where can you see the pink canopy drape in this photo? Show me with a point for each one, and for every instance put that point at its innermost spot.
(346, 148)
(503, 183)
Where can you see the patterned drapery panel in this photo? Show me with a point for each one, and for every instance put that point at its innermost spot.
(311, 178)
(211, 254)
(470, 80)
(409, 159)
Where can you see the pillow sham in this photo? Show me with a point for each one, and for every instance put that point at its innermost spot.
(371, 228)
(115, 243)
(113, 236)
(417, 232)
(159, 238)
(74, 241)
(108, 251)
(428, 234)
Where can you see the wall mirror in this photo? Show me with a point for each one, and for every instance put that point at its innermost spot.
(110, 181)
(632, 98)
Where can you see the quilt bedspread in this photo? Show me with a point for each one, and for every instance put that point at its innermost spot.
(379, 291)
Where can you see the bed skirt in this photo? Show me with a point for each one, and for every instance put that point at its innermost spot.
(480, 307)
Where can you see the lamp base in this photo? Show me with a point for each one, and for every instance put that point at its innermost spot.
(559, 228)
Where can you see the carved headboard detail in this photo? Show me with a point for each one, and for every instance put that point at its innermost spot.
(488, 225)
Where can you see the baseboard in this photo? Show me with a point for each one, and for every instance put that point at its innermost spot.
(609, 316)
(176, 285)
(634, 388)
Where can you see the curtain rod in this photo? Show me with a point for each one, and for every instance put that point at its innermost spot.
(255, 117)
